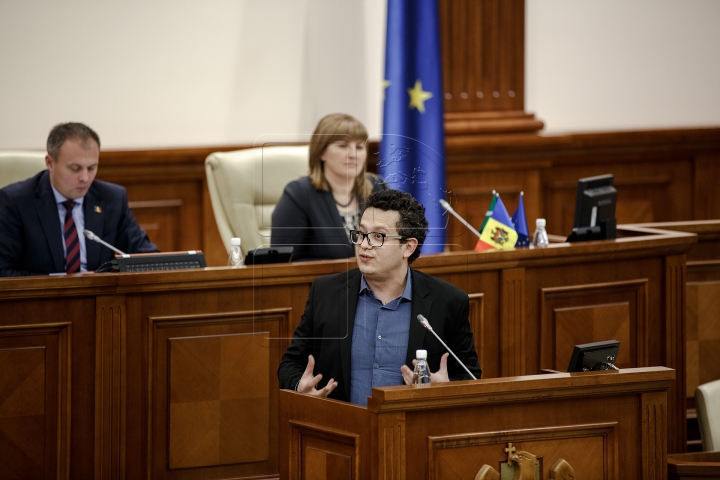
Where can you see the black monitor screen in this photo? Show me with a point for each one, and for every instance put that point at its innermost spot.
(261, 256)
(595, 209)
(594, 356)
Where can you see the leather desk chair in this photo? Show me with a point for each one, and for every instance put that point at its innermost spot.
(707, 397)
(245, 186)
(18, 166)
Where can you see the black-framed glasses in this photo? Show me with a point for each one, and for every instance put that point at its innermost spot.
(374, 239)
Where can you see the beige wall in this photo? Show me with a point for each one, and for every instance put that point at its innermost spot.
(173, 73)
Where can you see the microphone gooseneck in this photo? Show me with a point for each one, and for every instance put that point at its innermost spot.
(91, 236)
(450, 210)
(425, 323)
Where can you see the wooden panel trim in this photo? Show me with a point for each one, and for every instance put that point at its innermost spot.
(298, 430)
(63, 331)
(675, 279)
(110, 387)
(390, 447)
(655, 439)
(512, 322)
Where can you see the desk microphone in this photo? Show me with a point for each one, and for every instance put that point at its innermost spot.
(91, 236)
(449, 209)
(424, 322)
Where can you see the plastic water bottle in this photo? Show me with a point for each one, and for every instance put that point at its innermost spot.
(540, 238)
(235, 259)
(421, 375)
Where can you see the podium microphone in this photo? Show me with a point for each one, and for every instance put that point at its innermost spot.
(449, 209)
(426, 324)
(91, 236)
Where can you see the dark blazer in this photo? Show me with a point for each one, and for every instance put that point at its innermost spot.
(308, 220)
(31, 241)
(326, 330)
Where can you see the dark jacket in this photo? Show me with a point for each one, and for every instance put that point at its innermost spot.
(308, 220)
(326, 330)
(31, 241)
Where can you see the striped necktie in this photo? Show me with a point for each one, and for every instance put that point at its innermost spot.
(72, 243)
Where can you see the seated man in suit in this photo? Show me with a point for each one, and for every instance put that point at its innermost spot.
(359, 328)
(42, 218)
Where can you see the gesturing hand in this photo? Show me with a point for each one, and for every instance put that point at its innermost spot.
(440, 376)
(308, 381)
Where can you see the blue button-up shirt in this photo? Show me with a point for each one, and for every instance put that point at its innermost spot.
(379, 342)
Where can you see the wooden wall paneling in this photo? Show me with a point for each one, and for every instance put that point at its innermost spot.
(35, 402)
(662, 175)
(512, 350)
(471, 187)
(161, 220)
(675, 346)
(176, 176)
(110, 387)
(590, 313)
(648, 191)
(212, 244)
(483, 51)
(172, 206)
(212, 379)
(706, 192)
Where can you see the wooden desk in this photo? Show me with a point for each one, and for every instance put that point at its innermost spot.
(605, 425)
(702, 465)
(173, 374)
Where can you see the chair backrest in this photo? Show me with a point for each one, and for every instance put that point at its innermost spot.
(245, 186)
(18, 166)
(707, 397)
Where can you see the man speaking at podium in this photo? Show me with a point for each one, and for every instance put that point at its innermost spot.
(359, 328)
(42, 218)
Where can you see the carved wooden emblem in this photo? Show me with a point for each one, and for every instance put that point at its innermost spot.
(521, 465)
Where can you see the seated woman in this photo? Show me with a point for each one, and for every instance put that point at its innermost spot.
(316, 213)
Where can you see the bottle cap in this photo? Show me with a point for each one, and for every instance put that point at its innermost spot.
(540, 222)
(235, 241)
(421, 354)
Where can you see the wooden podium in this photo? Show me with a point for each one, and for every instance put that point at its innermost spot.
(605, 425)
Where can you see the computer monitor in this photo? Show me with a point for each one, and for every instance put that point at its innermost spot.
(595, 209)
(261, 256)
(594, 356)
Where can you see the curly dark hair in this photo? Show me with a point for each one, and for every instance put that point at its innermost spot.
(66, 131)
(412, 223)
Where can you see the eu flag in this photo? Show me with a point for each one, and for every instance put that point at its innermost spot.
(519, 222)
(412, 150)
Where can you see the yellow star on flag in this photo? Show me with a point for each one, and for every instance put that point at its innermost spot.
(418, 96)
(386, 84)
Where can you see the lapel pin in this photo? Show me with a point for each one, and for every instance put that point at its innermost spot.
(97, 209)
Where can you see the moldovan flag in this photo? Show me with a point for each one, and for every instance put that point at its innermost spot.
(482, 246)
(499, 233)
(519, 222)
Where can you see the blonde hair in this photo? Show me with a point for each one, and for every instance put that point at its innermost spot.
(333, 128)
